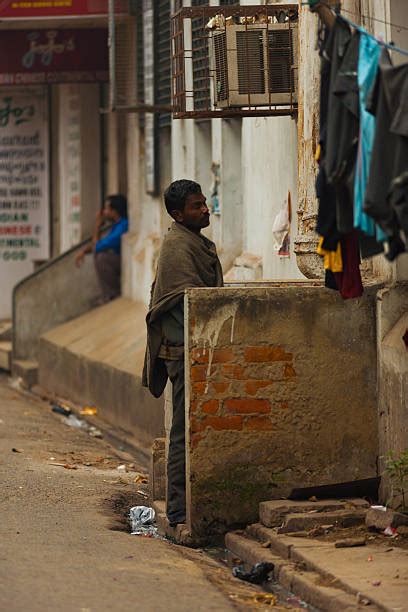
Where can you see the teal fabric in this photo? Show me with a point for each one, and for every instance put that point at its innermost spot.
(369, 55)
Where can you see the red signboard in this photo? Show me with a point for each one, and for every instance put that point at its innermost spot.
(53, 56)
(56, 8)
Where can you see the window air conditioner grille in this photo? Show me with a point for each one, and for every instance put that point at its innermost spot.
(251, 64)
(280, 50)
(221, 67)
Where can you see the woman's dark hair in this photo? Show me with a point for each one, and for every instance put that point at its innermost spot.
(176, 194)
(119, 203)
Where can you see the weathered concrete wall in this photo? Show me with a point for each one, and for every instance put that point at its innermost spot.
(57, 293)
(281, 393)
(393, 378)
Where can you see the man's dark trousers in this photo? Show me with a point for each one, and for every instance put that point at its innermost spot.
(176, 462)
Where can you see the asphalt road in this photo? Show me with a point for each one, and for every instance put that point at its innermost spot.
(64, 542)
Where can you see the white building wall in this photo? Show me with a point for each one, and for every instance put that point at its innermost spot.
(259, 161)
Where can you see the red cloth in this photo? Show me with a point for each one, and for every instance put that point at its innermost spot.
(349, 281)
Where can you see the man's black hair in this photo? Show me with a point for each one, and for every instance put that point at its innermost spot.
(176, 194)
(119, 203)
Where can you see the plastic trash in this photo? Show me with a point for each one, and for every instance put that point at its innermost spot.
(74, 421)
(296, 602)
(89, 411)
(61, 410)
(257, 575)
(142, 521)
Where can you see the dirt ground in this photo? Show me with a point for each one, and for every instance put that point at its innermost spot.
(65, 542)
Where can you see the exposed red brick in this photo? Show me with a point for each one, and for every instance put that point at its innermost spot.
(220, 387)
(196, 425)
(284, 405)
(210, 407)
(199, 355)
(223, 355)
(252, 386)
(195, 440)
(224, 423)
(247, 405)
(259, 424)
(199, 373)
(289, 371)
(199, 388)
(236, 372)
(193, 406)
(257, 354)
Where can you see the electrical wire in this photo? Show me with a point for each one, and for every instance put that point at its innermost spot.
(369, 18)
(361, 29)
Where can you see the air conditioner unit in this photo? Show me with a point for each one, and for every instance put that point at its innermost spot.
(255, 65)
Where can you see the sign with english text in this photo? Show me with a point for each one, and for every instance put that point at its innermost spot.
(53, 56)
(24, 186)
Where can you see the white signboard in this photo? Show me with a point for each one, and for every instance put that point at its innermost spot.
(24, 186)
(70, 165)
(150, 119)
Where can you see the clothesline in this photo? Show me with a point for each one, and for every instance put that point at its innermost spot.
(390, 46)
(370, 18)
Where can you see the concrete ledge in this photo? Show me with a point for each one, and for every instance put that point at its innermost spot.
(5, 355)
(97, 359)
(27, 370)
(305, 584)
(382, 582)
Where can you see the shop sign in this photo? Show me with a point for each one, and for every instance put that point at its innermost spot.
(150, 128)
(15, 9)
(70, 165)
(24, 185)
(53, 56)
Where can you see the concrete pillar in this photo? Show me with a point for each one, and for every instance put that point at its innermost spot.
(91, 184)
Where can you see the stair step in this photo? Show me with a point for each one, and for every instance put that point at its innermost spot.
(6, 330)
(272, 513)
(305, 521)
(306, 584)
(6, 350)
(27, 370)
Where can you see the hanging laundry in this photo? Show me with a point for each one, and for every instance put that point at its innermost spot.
(349, 281)
(369, 56)
(343, 121)
(339, 129)
(383, 201)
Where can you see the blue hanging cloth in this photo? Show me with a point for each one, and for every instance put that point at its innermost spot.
(369, 55)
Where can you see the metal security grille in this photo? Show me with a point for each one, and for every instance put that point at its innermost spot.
(128, 59)
(163, 58)
(201, 81)
(234, 60)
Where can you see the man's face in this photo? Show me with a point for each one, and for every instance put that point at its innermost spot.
(108, 211)
(195, 215)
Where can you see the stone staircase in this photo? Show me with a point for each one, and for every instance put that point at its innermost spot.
(6, 347)
(25, 369)
(329, 573)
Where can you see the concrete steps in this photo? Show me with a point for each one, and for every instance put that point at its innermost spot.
(26, 370)
(6, 330)
(323, 575)
(6, 351)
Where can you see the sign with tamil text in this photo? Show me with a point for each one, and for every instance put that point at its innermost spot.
(24, 185)
(53, 56)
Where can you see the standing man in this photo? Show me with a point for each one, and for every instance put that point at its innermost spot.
(107, 248)
(187, 259)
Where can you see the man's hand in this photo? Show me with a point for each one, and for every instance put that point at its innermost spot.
(99, 219)
(79, 258)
